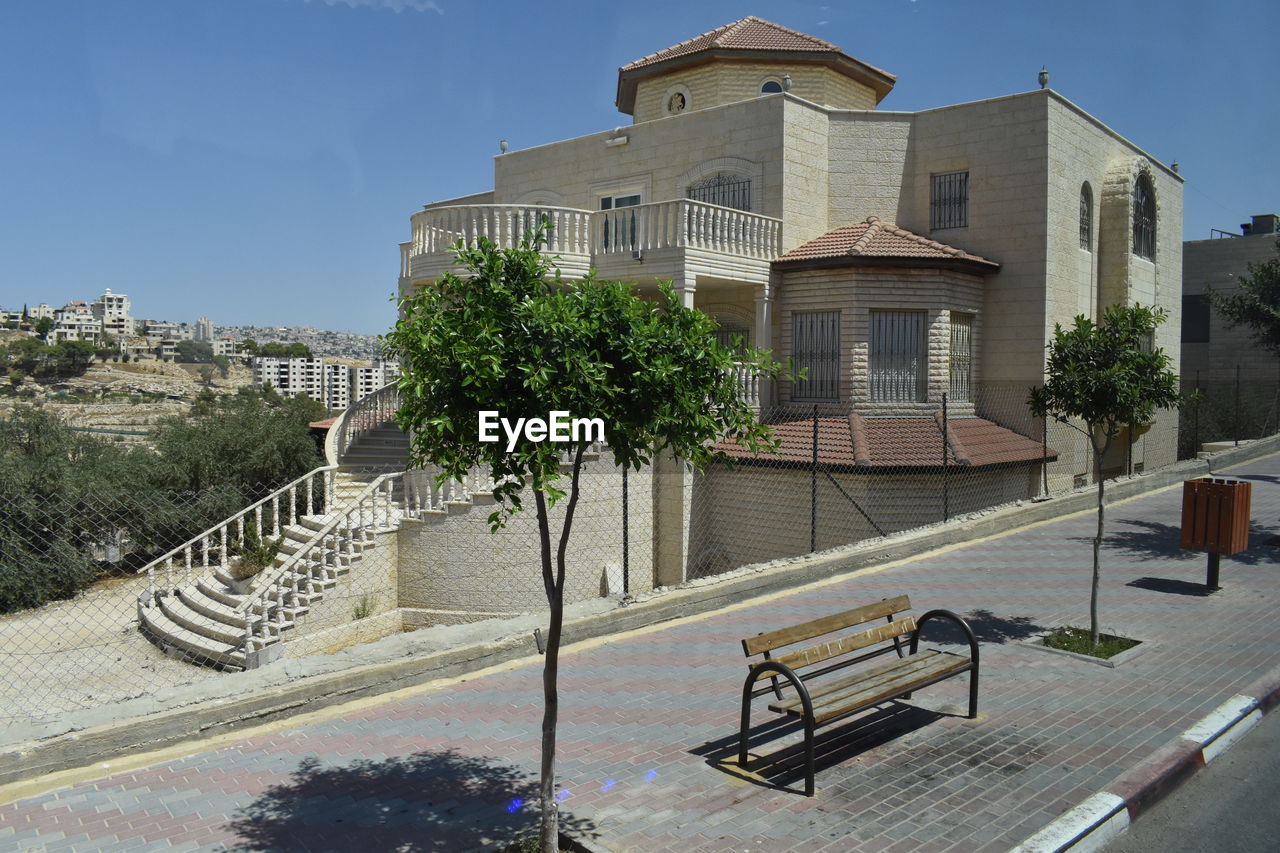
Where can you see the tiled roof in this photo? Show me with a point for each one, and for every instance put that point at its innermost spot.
(323, 424)
(889, 442)
(876, 239)
(750, 33)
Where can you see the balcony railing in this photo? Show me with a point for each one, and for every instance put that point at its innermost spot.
(678, 224)
(440, 228)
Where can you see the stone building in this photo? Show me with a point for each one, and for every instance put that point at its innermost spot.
(898, 256)
(1208, 344)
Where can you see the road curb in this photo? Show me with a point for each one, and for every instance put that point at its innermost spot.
(1100, 818)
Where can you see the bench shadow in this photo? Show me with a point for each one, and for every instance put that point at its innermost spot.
(1171, 586)
(783, 767)
(429, 801)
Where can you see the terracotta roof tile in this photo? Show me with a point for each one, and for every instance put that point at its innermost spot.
(750, 33)
(890, 442)
(876, 239)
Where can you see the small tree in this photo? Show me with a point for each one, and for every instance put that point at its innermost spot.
(514, 337)
(1110, 377)
(1256, 304)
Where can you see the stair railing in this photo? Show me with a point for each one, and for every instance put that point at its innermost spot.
(364, 416)
(212, 547)
(373, 509)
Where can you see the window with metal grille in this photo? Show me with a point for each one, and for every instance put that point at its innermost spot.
(949, 200)
(898, 356)
(1195, 319)
(815, 345)
(1144, 218)
(725, 190)
(961, 357)
(732, 333)
(1086, 217)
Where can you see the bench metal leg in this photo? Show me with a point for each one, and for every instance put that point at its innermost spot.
(808, 756)
(973, 693)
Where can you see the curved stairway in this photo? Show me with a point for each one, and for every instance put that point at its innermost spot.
(206, 621)
(196, 611)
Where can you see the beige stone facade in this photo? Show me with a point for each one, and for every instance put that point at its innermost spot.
(818, 156)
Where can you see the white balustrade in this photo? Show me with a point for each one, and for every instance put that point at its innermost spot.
(680, 223)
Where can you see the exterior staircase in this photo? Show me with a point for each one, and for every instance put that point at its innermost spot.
(325, 523)
(206, 620)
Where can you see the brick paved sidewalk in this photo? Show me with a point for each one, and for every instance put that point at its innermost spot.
(648, 721)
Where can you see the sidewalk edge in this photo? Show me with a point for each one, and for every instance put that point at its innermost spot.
(1099, 819)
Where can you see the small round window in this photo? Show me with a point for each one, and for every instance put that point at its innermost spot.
(770, 87)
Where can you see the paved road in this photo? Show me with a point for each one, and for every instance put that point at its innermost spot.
(648, 723)
(1232, 804)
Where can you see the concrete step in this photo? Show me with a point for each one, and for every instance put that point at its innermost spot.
(187, 644)
(216, 609)
(197, 623)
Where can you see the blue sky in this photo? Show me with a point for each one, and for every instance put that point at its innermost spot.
(256, 161)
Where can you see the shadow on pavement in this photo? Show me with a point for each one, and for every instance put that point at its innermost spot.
(1152, 540)
(424, 802)
(783, 767)
(1174, 587)
(987, 627)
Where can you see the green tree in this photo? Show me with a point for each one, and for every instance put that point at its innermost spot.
(223, 364)
(1110, 378)
(43, 327)
(513, 336)
(249, 347)
(1256, 304)
(194, 352)
(55, 505)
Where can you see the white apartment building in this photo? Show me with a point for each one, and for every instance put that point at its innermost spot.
(112, 310)
(228, 347)
(337, 386)
(203, 330)
(75, 322)
(291, 377)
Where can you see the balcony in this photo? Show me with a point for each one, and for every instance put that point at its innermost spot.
(663, 240)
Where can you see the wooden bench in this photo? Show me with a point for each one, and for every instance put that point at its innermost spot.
(823, 688)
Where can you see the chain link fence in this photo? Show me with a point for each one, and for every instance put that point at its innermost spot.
(333, 559)
(1229, 404)
(115, 594)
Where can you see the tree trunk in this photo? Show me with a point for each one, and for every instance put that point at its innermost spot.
(549, 835)
(1097, 539)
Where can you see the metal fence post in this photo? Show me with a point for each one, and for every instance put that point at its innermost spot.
(946, 496)
(1044, 453)
(626, 542)
(1236, 430)
(1195, 428)
(813, 487)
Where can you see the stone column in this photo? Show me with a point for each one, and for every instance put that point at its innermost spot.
(672, 503)
(764, 336)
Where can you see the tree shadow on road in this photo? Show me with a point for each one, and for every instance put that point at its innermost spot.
(1152, 540)
(434, 801)
(989, 628)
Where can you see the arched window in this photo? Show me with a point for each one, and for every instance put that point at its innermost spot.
(1144, 218)
(724, 189)
(769, 87)
(1086, 217)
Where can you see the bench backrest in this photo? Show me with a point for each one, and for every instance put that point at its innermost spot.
(770, 642)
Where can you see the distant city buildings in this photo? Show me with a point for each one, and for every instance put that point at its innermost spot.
(203, 330)
(335, 385)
